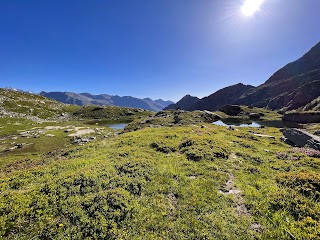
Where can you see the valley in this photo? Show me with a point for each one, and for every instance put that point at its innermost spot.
(166, 175)
(92, 146)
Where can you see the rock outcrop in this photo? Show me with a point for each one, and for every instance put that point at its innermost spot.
(312, 106)
(231, 110)
(302, 138)
(302, 117)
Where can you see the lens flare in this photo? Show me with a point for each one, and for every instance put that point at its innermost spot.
(250, 7)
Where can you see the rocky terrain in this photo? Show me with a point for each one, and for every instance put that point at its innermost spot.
(65, 173)
(17, 104)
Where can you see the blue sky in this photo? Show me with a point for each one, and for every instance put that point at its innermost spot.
(150, 48)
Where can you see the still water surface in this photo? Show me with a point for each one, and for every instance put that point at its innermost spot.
(276, 124)
(117, 126)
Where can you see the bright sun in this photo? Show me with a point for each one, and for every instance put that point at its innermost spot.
(251, 6)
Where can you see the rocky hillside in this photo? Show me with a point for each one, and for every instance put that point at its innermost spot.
(313, 106)
(213, 102)
(83, 99)
(222, 97)
(292, 87)
(18, 104)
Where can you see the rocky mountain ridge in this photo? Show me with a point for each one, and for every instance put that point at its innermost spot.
(83, 99)
(292, 87)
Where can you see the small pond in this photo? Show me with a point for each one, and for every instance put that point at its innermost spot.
(113, 125)
(239, 123)
(117, 126)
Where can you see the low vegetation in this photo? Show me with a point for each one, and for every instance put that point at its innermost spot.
(164, 183)
(170, 175)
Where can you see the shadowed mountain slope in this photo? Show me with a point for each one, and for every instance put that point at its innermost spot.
(292, 87)
(214, 101)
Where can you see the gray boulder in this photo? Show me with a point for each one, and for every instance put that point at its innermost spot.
(232, 110)
(210, 116)
(254, 115)
(302, 138)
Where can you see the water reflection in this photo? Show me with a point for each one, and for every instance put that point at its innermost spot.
(117, 126)
(238, 124)
(241, 123)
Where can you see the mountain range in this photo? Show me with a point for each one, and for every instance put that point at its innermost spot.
(292, 87)
(83, 99)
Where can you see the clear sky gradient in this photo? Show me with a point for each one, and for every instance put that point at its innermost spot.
(150, 48)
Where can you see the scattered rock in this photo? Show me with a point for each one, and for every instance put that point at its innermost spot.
(50, 135)
(230, 128)
(20, 145)
(302, 138)
(80, 140)
(173, 198)
(161, 114)
(76, 141)
(25, 135)
(256, 227)
(192, 177)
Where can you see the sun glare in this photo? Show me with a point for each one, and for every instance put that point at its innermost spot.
(250, 7)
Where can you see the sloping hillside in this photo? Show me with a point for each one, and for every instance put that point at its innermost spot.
(186, 103)
(313, 106)
(213, 102)
(16, 104)
(292, 87)
(222, 97)
(32, 106)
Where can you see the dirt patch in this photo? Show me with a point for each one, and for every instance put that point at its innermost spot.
(229, 188)
(80, 132)
(55, 127)
(173, 200)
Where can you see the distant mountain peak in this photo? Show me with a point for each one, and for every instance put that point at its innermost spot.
(85, 98)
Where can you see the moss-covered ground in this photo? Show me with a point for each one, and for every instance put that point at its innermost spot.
(196, 181)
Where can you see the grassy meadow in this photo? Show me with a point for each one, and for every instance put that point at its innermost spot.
(64, 174)
(180, 182)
